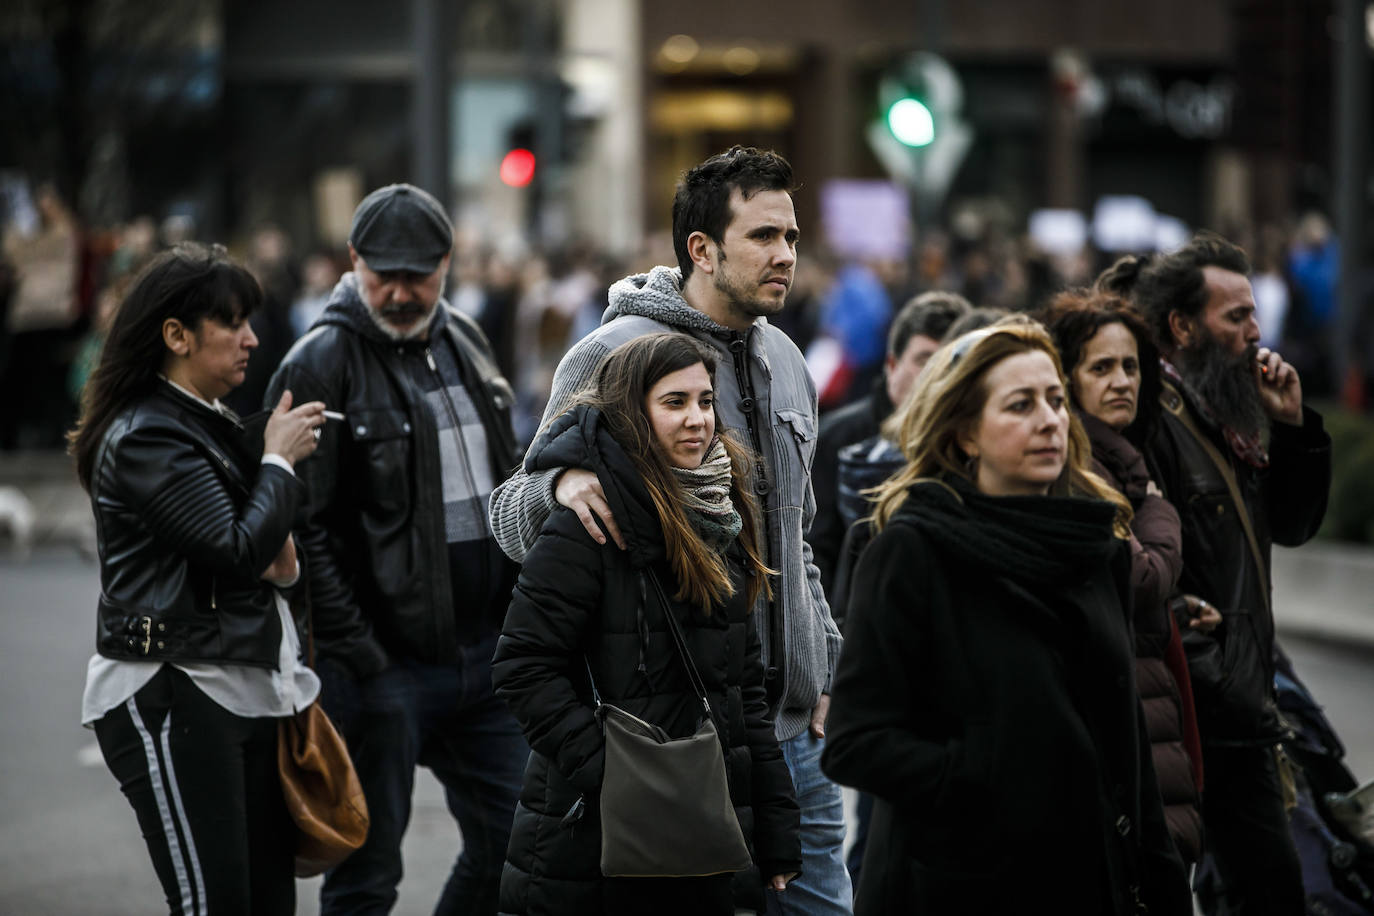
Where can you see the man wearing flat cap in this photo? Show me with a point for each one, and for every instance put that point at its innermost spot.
(407, 585)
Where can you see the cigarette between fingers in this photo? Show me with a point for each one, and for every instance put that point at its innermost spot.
(332, 415)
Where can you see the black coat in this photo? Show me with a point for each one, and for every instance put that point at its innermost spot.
(995, 720)
(373, 524)
(187, 521)
(1233, 668)
(839, 428)
(576, 599)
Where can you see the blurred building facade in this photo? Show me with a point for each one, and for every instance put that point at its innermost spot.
(245, 112)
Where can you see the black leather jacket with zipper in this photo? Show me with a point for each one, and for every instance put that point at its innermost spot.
(373, 526)
(187, 520)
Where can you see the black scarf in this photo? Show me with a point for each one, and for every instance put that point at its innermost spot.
(1035, 540)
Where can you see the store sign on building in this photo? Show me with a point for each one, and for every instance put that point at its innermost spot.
(1196, 109)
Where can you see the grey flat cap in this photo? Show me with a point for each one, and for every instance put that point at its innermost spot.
(400, 227)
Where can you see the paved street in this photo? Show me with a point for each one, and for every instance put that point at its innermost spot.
(68, 840)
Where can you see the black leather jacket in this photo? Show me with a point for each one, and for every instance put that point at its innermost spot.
(187, 520)
(1233, 669)
(373, 527)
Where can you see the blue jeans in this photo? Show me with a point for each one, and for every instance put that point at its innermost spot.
(823, 888)
(444, 717)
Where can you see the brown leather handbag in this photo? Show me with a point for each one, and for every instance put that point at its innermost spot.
(320, 786)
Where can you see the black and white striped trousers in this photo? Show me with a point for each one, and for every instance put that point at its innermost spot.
(204, 785)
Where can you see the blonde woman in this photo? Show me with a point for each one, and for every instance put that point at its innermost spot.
(985, 695)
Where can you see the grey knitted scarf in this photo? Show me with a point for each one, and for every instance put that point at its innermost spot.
(706, 493)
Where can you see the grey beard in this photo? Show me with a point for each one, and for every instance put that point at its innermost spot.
(416, 330)
(1225, 383)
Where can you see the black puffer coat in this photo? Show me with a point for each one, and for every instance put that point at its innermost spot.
(577, 599)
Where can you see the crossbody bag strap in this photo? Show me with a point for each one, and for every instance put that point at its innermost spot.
(1174, 404)
(681, 641)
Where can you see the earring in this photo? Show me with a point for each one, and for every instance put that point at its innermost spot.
(972, 467)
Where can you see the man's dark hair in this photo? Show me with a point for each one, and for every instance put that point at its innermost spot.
(702, 201)
(928, 315)
(1175, 282)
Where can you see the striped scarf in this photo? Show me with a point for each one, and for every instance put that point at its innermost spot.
(706, 494)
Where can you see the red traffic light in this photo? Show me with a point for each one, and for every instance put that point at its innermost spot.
(517, 168)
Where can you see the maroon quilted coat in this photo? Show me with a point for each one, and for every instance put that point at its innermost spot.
(1156, 561)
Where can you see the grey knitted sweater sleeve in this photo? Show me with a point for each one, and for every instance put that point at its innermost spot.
(519, 507)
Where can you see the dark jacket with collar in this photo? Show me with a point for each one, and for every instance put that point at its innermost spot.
(373, 525)
(1156, 561)
(995, 721)
(187, 520)
(576, 599)
(1233, 669)
(846, 426)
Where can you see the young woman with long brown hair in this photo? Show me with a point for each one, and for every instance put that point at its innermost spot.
(985, 693)
(583, 615)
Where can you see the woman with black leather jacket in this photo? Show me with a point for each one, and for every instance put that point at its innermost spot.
(585, 615)
(196, 653)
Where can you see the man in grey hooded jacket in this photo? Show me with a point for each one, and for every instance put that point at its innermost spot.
(735, 235)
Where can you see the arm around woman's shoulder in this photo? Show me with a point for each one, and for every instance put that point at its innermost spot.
(881, 690)
(169, 482)
(540, 655)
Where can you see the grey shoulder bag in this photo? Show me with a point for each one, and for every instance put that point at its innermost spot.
(665, 803)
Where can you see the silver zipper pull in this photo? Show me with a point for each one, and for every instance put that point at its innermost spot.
(429, 358)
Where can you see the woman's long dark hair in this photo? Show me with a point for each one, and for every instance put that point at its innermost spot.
(190, 283)
(1075, 316)
(622, 386)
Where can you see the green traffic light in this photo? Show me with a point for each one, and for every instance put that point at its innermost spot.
(911, 122)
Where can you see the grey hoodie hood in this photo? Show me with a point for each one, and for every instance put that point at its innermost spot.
(658, 295)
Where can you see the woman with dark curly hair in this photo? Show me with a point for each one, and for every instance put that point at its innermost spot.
(1113, 369)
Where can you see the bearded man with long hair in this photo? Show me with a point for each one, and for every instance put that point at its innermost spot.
(1247, 465)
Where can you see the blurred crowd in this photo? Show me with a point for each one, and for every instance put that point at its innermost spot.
(60, 281)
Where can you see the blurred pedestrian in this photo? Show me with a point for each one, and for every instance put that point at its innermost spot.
(269, 261)
(1113, 370)
(197, 653)
(735, 235)
(678, 490)
(1222, 397)
(915, 335)
(408, 587)
(985, 694)
(855, 313)
(40, 324)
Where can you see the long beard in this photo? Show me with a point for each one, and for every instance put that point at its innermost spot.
(1225, 382)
